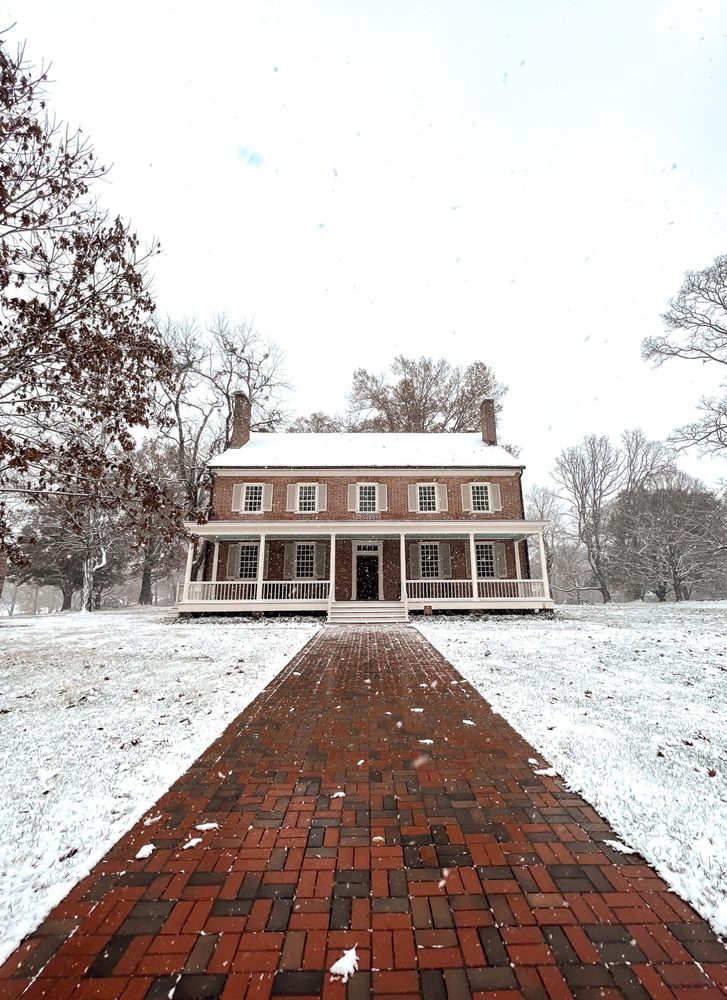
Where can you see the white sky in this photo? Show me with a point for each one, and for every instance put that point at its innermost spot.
(519, 182)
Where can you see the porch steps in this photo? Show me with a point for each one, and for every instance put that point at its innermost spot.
(367, 613)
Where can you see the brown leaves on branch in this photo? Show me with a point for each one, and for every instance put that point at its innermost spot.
(80, 357)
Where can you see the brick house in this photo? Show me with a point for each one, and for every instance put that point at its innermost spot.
(365, 527)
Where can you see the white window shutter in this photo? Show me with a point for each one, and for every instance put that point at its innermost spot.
(322, 496)
(352, 491)
(495, 499)
(233, 562)
(289, 561)
(500, 561)
(237, 491)
(320, 560)
(382, 497)
(442, 503)
(466, 497)
(445, 561)
(415, 561)
(267, 496)
(413, 498)
(290, 503)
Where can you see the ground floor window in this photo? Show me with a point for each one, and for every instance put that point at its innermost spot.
(485, 559)
(248, 561)
(429, 556)
(305, 560)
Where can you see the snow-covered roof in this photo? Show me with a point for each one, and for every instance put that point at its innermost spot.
(355, 451)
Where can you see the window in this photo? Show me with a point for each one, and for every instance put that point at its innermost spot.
(480, 496)
(485, 559)
(367, 498)
(429, 556)
(427, 493)
(305, 560)
(248, 561)
(307, 497)
(253, 497)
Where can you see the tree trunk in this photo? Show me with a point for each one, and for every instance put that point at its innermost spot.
(67, 591)
(145, 595)
(89, 570)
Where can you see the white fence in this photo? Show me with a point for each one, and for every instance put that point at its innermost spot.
(438, 590)
(511, 589)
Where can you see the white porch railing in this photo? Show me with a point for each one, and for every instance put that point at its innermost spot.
(438, 590)
(246, 590)
(488, 589)
(295, 590)
(516, 589)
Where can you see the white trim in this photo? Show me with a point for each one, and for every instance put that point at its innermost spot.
(375, 487)
(243, 496)
(354, 556)
(406, 472)
(215, 561)
(364, 529)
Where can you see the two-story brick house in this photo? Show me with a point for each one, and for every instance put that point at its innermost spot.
(365, 527)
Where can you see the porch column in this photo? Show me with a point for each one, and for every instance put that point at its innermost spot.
(260, 569)
(473, 565)
(188, 571)
(402, 566)
(517, 558)
(215, 561)
(543, 566)
(332, 571)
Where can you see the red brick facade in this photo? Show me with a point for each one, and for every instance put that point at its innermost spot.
(397, 497)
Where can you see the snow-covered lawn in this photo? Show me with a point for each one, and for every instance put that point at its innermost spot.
(629, 703)
(99, 714)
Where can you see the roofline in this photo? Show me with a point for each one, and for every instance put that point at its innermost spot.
(332, 469)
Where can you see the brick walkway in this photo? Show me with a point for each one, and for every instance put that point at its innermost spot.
(454, 869)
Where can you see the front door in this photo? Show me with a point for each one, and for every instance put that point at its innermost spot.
(367, 577)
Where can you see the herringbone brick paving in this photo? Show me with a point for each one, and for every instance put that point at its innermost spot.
(456, 871)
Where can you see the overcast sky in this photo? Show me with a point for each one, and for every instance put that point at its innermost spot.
(514, 181)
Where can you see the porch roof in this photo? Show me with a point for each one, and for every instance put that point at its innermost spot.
(234, 530)
(365, 451)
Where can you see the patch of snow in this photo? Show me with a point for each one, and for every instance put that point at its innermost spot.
(547, 772)
(145, 852)
(116, 705)
(618, 846)
(346, 965)
(192, 842)
(338, 795)
(204, 827)
(630, 709)
(427, 742)
(359, 762)
(468, 722)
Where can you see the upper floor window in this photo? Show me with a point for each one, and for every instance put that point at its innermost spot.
(481, 497)
(252, 498)
(307, 498)
(367, 498)
(427, 498)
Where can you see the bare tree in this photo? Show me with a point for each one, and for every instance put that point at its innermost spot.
(591, 475)
(424, 395)
(645, 462)
(696, 330)
(543, 504)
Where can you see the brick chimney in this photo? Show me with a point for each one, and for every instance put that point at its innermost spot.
(487, 420)
(241, 416)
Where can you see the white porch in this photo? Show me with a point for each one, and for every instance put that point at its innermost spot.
(395, 576)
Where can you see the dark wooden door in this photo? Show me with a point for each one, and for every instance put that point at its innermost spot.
(367, 578)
